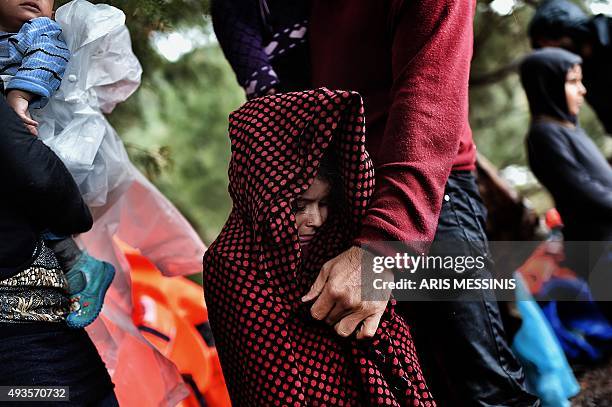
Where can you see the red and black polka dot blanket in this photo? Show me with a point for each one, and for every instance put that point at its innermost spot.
(271, 350)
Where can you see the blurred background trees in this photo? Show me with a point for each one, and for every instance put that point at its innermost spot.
(175, 125)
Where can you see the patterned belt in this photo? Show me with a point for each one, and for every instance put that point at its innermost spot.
(36, 294)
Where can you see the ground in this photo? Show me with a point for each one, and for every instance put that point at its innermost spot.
(596, 384)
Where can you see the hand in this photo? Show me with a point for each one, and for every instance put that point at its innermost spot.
(20, 102)
(339, 300)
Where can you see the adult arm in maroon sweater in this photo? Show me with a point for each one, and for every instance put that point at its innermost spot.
(426, 133)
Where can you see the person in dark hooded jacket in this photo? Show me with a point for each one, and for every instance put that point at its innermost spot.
(560, 23)
(561, 155)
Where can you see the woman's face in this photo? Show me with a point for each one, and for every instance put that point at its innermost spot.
(311, 210)
(574, 90)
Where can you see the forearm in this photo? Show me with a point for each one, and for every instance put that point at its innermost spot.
(45, 57)
(427, 118)
(37, 91)
(239, 31)
(566, 175)
(590, 191)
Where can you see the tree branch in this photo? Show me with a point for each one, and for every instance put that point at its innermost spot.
(496, 75)
(533, 3)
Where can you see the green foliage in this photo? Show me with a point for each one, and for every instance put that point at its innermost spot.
(183, 109)
(146, 16)
(498, 110)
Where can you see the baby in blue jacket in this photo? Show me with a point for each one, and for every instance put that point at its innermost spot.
(32, 54)
(33, 59)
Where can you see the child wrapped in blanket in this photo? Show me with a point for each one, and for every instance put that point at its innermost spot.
(33, 59)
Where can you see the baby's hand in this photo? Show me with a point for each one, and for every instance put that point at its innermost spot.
(20, 101)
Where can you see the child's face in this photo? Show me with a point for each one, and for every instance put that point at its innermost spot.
(312, 208)
(574, 90)
(14, 13)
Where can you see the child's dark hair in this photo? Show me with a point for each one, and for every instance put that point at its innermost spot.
(329, 172)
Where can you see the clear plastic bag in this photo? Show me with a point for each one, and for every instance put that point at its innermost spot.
(102, 72)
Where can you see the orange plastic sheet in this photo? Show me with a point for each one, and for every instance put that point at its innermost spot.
(144, 219)
(168, 310)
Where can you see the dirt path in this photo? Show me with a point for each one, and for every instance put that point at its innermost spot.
(596, 384)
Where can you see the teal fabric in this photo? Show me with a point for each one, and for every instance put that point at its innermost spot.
(547, 371)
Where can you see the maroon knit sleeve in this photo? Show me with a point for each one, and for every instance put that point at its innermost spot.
(431, 53)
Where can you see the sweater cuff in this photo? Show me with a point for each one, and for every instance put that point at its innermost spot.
(41, 93)
(378, 242)
(261, 82)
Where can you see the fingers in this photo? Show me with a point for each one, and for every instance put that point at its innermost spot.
(28, 121)
(322, 306)
(30, 124)
(32, 129)
(370, 325)
(346, 302)
(318, 285)
(336, 314)
(337, 290)
(349, 324)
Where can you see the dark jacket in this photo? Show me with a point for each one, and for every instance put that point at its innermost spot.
(577, 175)
(39, 194)
(597, 70)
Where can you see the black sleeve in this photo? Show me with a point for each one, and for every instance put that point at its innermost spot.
(573, 180)
(38, 180)
(239, 29)
(597, 76)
